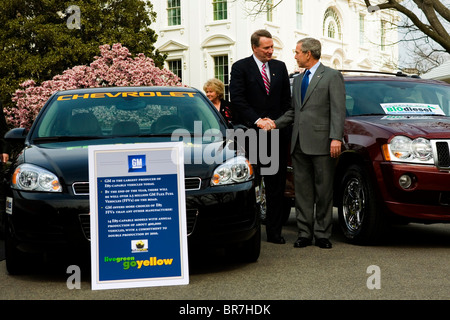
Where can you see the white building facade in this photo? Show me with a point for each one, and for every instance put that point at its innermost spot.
(202, 38)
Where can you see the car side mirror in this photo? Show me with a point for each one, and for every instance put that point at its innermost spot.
(16, 135)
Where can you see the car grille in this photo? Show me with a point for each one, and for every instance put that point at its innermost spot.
(82, 188)
(191, 219)
(444, 198)
(443, 154)
(192, 183)
(86, 225)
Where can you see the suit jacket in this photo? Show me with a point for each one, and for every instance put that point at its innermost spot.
(248, 95)
(320, 117)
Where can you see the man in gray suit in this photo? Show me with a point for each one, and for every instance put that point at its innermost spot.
(316, 141)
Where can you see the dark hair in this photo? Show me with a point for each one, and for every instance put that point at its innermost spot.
(254, 39)
(313, 45)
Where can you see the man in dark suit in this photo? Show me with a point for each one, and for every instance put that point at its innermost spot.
(260, 88)
(316, 141)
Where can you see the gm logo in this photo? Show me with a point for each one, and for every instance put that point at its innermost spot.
(136, 163)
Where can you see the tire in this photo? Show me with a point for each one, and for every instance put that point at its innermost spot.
(261, 200)
(2, 225)
(250, 249)
(15, 259)
(286, 210)
(360, 216)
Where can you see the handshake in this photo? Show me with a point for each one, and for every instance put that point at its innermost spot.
(266, 124)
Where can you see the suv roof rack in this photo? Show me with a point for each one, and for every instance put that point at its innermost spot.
(398, 74)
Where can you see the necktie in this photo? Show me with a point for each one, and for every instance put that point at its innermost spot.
(265, 78)
(305, 83)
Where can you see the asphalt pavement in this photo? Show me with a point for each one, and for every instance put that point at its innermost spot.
(412, 264)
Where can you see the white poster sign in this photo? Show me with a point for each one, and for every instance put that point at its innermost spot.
(138, 215)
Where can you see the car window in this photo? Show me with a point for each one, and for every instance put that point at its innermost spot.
(123, 114)
(368, 97)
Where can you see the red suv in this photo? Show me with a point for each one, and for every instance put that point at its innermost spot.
(395, 164)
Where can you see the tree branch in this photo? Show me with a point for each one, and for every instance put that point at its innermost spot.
(435, 30)
(440, 8)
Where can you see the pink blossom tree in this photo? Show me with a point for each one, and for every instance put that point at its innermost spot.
(114, 67)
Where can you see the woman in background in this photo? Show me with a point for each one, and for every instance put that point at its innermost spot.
(215, 90)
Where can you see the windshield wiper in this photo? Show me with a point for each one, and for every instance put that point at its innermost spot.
(149, 135)
(65, 138)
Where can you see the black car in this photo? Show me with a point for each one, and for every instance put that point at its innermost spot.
(48, 194)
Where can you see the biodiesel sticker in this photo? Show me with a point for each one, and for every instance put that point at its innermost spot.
(412, 109)
(138, 215)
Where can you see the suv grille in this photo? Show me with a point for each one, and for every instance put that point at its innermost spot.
(82, 188)
(442, 154)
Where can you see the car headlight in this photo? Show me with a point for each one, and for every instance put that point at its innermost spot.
(235, 170)
(404, 149)
(33, 178)
(421, 149)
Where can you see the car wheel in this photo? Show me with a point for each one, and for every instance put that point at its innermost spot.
(286, 210)
(250, 249)
(15, 259)
(360, 216)
(261, 200)
(2, 225)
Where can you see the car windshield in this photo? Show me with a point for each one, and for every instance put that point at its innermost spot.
(102, 114)
(396, 98)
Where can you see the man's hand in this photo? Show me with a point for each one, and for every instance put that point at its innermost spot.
(335, 148)
(266, 124)
(5, 157)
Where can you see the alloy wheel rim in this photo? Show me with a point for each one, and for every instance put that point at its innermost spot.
(353, 205)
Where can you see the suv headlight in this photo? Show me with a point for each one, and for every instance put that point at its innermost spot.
(404, 149)
(33, 178)
(235, 170)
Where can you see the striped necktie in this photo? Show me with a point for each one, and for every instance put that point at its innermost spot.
(265, 78)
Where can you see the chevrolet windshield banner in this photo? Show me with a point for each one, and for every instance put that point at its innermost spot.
(138, 215)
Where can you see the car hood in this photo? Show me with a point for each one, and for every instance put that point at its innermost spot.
(70, 161)
(432, 127)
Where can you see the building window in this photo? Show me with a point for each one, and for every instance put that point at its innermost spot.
(299, 13)
(220, 9)
(173, 12)
(361, 29)
(175, 67)
(221, 72)
(269, 8)
(383, 35)
(331, 29)
(332, 25)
